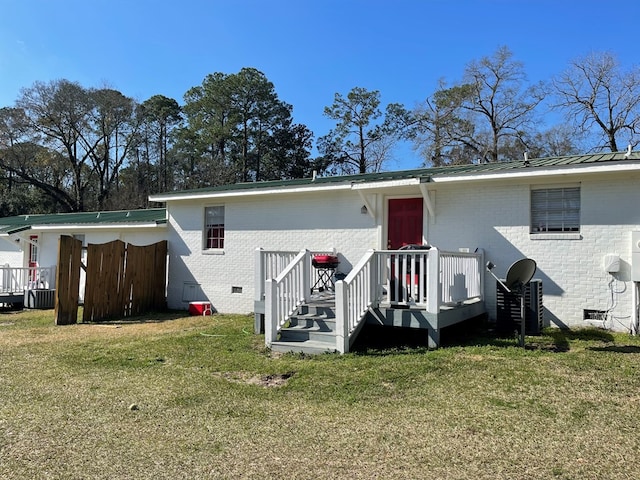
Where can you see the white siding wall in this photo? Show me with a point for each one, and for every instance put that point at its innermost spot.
(10, 253)
(496, 218)
(290, 222)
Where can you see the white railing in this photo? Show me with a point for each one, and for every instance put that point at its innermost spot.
(354, 296)
(269, 264)
(429, 279)
(461, 276)
(19, 279)
(283, 294)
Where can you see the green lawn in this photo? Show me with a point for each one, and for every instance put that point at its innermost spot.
(169, 396)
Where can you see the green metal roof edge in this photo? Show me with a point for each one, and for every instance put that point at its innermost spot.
(421, 173)
(15, 224)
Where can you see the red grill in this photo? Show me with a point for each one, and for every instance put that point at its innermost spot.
(326, 266)
(325, 261)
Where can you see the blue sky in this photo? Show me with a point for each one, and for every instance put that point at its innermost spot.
(309, 49)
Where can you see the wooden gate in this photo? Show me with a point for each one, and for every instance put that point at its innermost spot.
(121, 280)
(68, 280)
(124, 280)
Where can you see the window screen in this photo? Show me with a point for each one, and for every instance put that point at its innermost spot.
(555, 210)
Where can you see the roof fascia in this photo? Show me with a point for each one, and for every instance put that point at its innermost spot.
(17, 229)
(403, 182)
(529, 173)
(102, 226)
(247, 193)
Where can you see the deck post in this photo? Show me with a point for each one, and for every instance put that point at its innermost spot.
(374, 278)
(258, 294)
(270, 312)
(306, 276)
(342, 323)
(433, 335)
(434, 289)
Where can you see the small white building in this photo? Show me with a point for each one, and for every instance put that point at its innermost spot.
(29, 251)
(575, 216)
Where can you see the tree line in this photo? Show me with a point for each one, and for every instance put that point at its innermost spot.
(68, 148)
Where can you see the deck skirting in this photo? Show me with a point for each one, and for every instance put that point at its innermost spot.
(421, 319)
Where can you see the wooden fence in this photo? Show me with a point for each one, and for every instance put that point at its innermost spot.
(68, 280)
(122, 280)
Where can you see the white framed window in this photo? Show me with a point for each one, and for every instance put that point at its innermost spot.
(555, 210)
(214, 228)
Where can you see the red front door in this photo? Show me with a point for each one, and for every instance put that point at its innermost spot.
(405, 222)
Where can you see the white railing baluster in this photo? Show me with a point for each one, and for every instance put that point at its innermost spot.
(18, 279)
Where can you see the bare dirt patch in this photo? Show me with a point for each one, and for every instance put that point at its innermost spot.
(270, 380)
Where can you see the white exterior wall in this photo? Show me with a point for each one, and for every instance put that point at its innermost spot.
(496, 219)
(48, 240)
(284, 222)
(10, 253)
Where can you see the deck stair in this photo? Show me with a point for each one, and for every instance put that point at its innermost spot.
(311, 330)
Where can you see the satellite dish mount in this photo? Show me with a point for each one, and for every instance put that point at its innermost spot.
(518, 276)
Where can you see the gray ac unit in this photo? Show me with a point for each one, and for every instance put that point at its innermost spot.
(39, 298)
(508, 309)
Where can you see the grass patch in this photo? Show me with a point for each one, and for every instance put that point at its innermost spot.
(168, 396)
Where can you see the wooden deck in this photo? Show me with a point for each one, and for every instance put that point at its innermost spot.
(422, 289)
(312, 329)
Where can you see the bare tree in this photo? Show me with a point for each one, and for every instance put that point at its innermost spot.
(499, 101)
(599, 98)
(483, 117)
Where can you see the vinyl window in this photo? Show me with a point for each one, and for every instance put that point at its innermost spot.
(555, 210)
(214, 227)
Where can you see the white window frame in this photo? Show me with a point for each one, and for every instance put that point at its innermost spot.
(217, 212)
(555, 210)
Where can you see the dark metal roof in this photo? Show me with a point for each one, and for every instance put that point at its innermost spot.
(423, 174)
(9, 225)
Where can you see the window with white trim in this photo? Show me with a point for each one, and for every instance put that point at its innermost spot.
(214, 227)
(555, 210)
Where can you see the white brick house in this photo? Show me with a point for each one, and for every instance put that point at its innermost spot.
(566, 213)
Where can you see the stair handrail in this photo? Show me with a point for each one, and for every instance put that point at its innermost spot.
(354, 296)
(283, 294)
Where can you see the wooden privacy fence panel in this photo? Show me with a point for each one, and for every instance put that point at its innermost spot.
(124, 280)
(105, 269)
(68, 280)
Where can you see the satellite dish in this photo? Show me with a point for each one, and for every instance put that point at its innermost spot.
(520, 273)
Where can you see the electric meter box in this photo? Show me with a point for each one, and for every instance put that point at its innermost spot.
(635, 256)
(612, 263)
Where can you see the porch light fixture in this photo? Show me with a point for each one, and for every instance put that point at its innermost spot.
(363, 210)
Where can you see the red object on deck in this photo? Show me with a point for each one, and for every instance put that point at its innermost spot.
(325, 261)
(200, 308)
